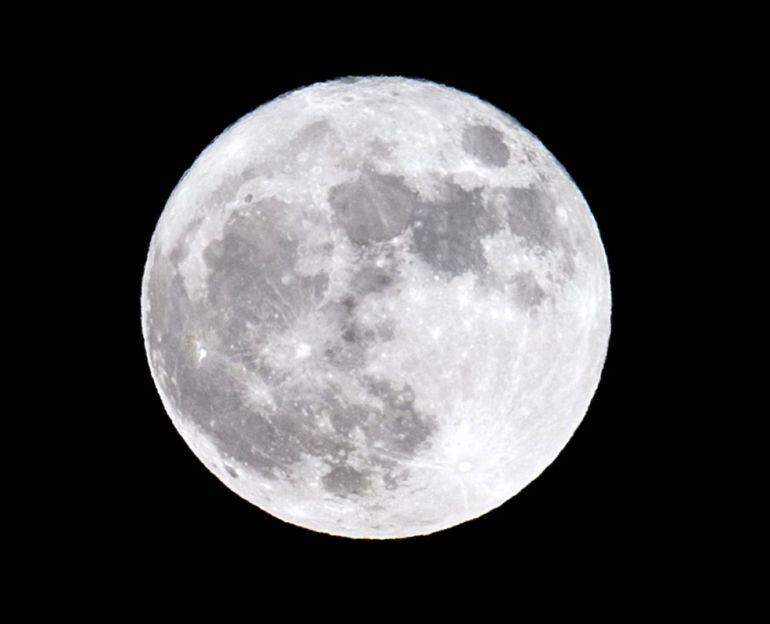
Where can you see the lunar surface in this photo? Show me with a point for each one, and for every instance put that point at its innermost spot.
(376, 307)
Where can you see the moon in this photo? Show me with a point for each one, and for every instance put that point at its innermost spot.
(376, 307)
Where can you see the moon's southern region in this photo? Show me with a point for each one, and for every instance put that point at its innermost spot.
(376, 307)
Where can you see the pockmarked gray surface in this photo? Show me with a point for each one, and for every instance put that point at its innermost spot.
(376, 307)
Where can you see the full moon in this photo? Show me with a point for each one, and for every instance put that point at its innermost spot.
(376, 307)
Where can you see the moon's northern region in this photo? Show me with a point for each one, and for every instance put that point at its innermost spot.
(376, 307)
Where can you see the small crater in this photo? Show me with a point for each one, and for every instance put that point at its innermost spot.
(349, 302)
(349, 335)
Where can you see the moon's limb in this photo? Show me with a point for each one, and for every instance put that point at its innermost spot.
(376, 307)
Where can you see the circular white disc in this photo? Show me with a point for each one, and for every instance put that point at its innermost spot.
(376, 307)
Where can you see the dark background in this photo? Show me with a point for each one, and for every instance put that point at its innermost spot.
(600, 106)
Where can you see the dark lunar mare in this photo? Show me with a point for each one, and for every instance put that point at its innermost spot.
(248, 263)
(531, 215)
(447, 233)
(486, 144)
(244, 287)
(374, 208)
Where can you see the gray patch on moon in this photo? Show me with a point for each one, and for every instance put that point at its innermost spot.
(486, 144)
(166, 295)
(247, 265)
(387, 420)
(380, 149)
(213, 392)
(531, 215)
(345, 481)
(349, 353)
(374, 208)
(312, 134)
(448, 234)
(404, 429)
(371, 278)
(228, 188)
(529, 293)
(218, 404)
